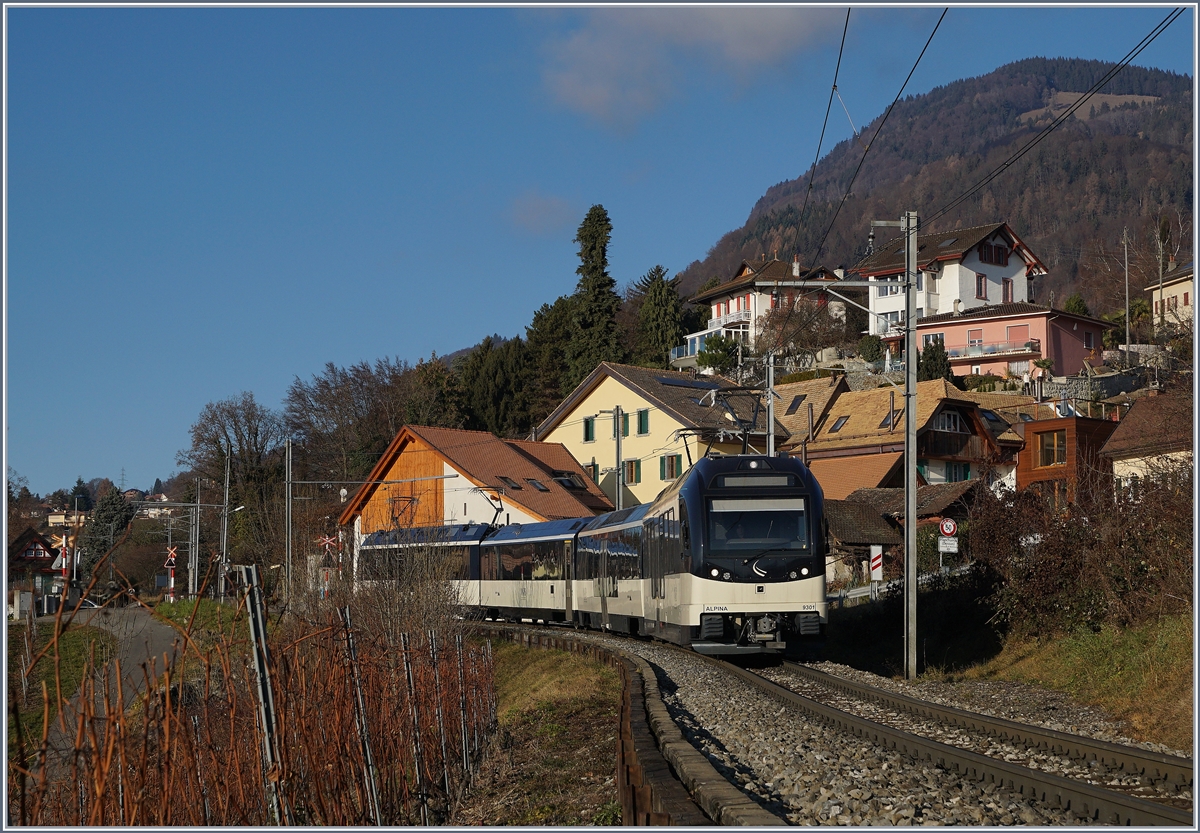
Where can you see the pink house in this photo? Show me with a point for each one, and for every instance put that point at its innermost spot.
(1006, 339)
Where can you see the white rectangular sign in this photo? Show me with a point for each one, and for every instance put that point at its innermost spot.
(947, 544)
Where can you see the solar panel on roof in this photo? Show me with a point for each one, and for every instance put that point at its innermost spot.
(687, 383)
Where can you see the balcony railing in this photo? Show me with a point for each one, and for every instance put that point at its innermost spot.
(995, 348)
(730, 318)
(695, 341)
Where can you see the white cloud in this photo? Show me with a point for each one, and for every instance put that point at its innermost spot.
(623, 63)
(541, 214)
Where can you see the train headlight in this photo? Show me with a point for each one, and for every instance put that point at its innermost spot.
(803, 571)
(726, 575)
(715, 572)
(792, 574)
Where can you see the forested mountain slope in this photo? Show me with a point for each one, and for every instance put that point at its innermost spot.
(1123, 160)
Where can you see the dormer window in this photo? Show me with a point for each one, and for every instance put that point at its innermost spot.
(951, 422)
(991, 253)
(569, 480)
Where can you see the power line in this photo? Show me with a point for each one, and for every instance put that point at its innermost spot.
(825, 237)
(813, 171)
(882, 122)
(1058, 122)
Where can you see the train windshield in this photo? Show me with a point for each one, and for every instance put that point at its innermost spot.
(740, 526)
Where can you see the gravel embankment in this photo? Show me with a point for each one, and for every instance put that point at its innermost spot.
(807, 773)
(1022, 703)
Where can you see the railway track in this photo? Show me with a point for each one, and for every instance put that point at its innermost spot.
(1130, 769)
(1085, 800)
(806, 761)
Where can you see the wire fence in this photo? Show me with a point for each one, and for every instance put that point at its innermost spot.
(366, 732)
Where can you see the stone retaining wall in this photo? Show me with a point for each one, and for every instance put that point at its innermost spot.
(661, 778)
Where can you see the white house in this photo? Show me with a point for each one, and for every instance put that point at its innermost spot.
(738, 305)
(957, 270)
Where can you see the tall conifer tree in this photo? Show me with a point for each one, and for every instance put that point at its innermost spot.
(596, 337)
(660, 319)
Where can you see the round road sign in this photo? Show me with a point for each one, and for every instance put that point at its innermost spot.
(949, 527)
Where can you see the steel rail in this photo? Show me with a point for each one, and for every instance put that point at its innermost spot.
(1171, 770)
(1084, 800)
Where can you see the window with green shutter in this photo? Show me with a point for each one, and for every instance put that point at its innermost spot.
(589, 429)
(633, 472)
(670, 466)
(624, 425)
(644, 421)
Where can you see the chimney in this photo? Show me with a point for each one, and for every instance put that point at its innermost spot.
(956, 305)
(871, 242)
(796, 266)
(1171, 264)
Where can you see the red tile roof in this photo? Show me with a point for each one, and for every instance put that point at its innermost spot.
(484, 458)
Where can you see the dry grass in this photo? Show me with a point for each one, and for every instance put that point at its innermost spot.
(553, 758)
(1142, 675)
(527, 678)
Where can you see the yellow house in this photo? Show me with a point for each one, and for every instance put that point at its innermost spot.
(664, 420)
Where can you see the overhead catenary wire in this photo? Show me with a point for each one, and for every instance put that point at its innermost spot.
(1061, 119)
(882, 122)
(828, 107)
(850, 186)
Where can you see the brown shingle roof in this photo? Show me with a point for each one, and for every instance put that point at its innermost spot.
(934, 499)
(762, 270)
(797, 396)
(483, 458)
(839, 476)
(486, 458)
(687, 399)
(945, 245)
(859, 524)
(866, 410)
(1016, 308)
(1154, 425)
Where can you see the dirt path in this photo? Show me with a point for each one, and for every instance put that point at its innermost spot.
(147, 647)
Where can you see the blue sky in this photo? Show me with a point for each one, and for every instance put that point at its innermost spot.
(205, 201)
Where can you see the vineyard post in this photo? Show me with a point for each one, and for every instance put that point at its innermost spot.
(462, 705)
(360, 717)
(437, 700)
(416, 723)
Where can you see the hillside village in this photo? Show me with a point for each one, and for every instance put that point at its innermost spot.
(1015, 397)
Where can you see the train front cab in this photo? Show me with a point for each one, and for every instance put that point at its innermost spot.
(756, 582)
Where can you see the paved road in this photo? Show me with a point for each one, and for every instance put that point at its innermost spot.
(147, 647)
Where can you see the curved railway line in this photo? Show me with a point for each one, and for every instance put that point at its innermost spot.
(1086, 800)
(1162, 777)
(1141, 787)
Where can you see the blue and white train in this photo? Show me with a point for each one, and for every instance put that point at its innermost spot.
(729, 559)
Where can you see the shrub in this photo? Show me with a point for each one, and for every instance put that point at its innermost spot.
(870, 348)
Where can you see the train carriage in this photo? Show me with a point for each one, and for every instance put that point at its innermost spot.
(525, 569)
(729, 559)
(608, 571)
(381, 556)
